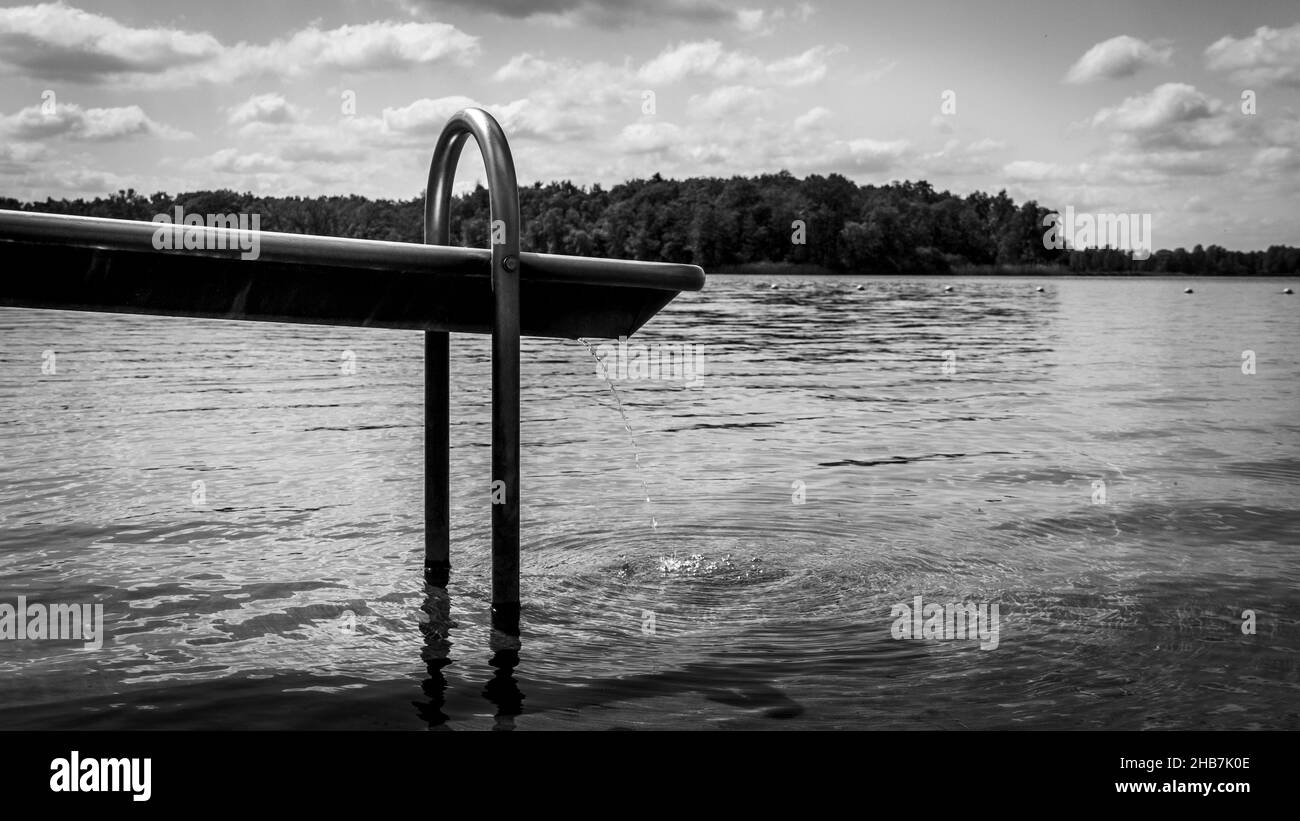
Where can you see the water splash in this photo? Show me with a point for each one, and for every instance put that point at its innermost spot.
(636, 451)
(692, 565)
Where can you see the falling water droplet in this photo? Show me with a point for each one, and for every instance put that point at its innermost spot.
(627, 426)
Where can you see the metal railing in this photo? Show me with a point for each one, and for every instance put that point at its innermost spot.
(503, 198)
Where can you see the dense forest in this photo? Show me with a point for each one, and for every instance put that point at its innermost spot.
(818, 223)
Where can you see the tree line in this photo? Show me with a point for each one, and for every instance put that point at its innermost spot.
(818, 222)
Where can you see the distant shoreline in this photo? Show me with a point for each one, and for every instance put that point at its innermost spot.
(1027, 271)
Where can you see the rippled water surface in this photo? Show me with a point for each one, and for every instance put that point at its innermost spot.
(1097, 464)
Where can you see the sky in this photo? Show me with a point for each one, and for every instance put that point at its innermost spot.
(1187, 110)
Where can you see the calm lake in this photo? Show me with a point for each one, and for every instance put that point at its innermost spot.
(1093, 459)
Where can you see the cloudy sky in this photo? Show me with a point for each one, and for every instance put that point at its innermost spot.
(1107, 106)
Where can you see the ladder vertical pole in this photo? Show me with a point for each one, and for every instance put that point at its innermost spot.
(505, 440)
(437, 458)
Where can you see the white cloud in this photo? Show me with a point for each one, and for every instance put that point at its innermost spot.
(570, 99)
(753, 21)
(16, 156)
(943, 123)
(1166, 105)
(1170, 132)
(708, 59)
(958, 159)
(1160, 164)
(264, 108)
(763, 23)
(1269, 56)
(597, 13)
(523, 68)
(541, 118)
(59, 42)
(873, 155)
(727, 101)
(54, 41)
(1280, 129)
(984, 146)
(649, 137)
(424, 117)
(534, 117)
(1033, 170)
(812, 118)
(801, 69)
(242, 162)
(1277, 158)
(72, 122)
(377, 46)
(1118, 57)
(62, 178)
(882, 68)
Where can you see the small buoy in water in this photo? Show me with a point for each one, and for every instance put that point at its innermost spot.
(773, 286)
(1286, 290)
(1039, 289)
(947, 289)
(1188, 291)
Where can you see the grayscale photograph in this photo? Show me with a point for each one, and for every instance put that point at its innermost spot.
(588, 365)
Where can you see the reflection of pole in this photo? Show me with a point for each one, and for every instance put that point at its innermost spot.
(502, 689)
(503, 198)
(435, 627)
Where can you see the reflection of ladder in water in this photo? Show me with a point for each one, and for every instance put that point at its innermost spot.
(113, 266)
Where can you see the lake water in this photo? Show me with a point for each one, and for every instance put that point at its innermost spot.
(1092, 459)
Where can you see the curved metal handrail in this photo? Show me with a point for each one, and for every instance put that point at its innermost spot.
(503, 188)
